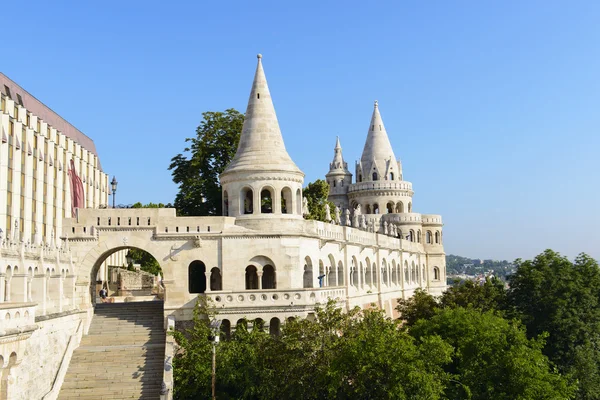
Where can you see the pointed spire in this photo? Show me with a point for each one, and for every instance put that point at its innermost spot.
(378, 150)
(338, 162)
(261, 145)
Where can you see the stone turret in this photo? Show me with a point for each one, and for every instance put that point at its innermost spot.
(379, 187)
(261, 179)
(338, 178)
(378, 162)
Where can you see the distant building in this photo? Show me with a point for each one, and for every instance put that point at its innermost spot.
(36, 152)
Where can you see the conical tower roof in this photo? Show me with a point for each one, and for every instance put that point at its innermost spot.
(378, 149)
(338, 165)
(261, 146)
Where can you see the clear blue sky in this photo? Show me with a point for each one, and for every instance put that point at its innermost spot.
(493, 107)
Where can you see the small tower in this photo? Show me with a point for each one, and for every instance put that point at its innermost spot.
(261, 181)
(379, 187)
(338, 178)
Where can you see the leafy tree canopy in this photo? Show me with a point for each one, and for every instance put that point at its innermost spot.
(316, 194)
(196, 170)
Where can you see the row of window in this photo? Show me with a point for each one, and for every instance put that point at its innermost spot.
(391, 207)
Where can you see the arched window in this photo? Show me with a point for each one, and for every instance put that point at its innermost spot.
(225, 204)
(394, 273)
(226, 328)
(307, 277)
(399, 207)
(390, 207)
(341, 182)
(413, 272)
(247, 198)
(354, 270)
(360, 178)
(197, 277)
(419, 236)
(332, 274)
(368, 273)
(251, 278)
(384, 273)
(274, 326)
(286, 201)
(375, 208)
(428, 237)
(340, 274)
(391, 176)
(368, 209)
(436, 274)
(409, 207)
(215, 279)
(411, 235)
(406, 276)
(437, 236)
(334, 183)
(375, 177)
(268, 277)
(266, 202)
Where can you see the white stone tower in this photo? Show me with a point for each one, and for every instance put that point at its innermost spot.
(261, 180)
(338, 178)
(379, 187)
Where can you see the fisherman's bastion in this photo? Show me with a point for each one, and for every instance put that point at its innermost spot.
(262, 260)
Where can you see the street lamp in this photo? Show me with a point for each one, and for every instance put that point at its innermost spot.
(214, 328)
(114, 184)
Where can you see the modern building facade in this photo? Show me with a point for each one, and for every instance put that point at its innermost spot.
(38, 149)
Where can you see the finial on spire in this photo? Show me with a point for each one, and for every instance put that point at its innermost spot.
(376, 103)
(259, 56)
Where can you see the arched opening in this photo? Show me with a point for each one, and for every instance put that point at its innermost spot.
(307, 277)
(225, 203)
(360, 178)
(418, 236)
(394, 273)
(399, 207)
(375, 208)
(368, 209)
(428, 237)
(266, 201)
(391, 176)
(197, 277)
(286, 201)
(242, 324)
(368, 273)
(411, 235)
(274, 326)
(375, 176)
(340, 274)
(226, 329)
(437, 237)
(354, 273)
(298, 202)
(413, 273)
(406, 275)
(268, 277)
(390, 207)
(251, 278)
(384, 273)
(216, 282)
(332, 275)
(247, 198)
(258, 324)
(321, 277)
(409, 207)
(436, 274)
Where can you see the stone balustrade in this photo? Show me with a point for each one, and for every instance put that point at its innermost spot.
(16, 315)
(380, 185)
(277, 297)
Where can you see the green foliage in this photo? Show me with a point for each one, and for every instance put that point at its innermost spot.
(316, 194)
(152, 205)
(489, 296)
(493, 358)
(197, 170)
(421, 305)
(562, 298)
(358, 355)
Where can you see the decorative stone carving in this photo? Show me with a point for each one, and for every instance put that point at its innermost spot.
(305, 210)
(347, 217)
(385, 227)
(327, 213)
(337, 213)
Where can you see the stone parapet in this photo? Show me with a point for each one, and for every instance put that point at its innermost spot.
(404, 186)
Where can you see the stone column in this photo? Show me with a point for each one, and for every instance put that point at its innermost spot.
(259, 274)
(277, 201)
(207, 275)
(256, 202)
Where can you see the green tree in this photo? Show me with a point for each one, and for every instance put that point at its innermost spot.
(196, 171)
(491, 295)
(562, 298)
(421, 305)
(316, 194)
(493, 358)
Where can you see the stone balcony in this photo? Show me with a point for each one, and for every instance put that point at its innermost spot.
(277, 297)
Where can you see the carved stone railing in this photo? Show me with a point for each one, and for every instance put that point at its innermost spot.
(277, 297)
(166, 391)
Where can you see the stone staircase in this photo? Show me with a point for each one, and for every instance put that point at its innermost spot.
(122, 357)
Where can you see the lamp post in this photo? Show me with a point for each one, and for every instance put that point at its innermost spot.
(113, 185)
(214, 328)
